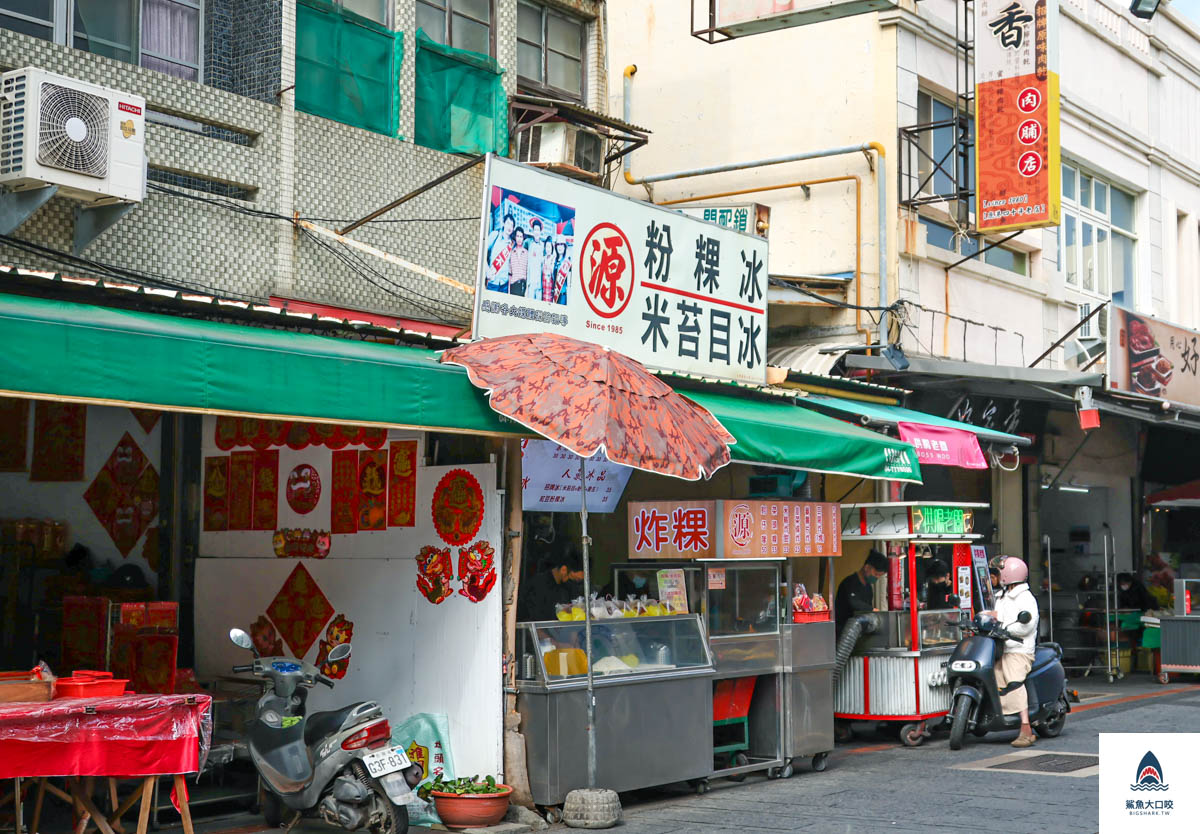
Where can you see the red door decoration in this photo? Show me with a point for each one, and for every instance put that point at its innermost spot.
(150, 549)
(124, 494)
(300, 610)
(266, 489)
(303, 488)
(14, 434)
(241, 491)
(434, 573)
(477, 570)
(232, 432)
(372, 490)
(340, 631)
(226, 433)
(402, 483)
(147, 418)
(216, 493)
(59, 431)
(457, 507)
(343, 513)
(294, 543)
(84, 632)
(265, 637)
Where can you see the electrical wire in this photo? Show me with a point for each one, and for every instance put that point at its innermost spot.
(241, 209)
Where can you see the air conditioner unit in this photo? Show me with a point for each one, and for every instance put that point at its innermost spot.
(554, 144)
(86, 139)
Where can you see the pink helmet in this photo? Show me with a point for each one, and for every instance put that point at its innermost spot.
(1013, 570)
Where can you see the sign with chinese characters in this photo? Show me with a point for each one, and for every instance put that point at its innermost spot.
(551, 478)
(752, 218)
(1017, 171)
(672, 529)
(934, 520)
(672, 589)
(983, 579)
(902, 520)
(668, 290)
(716, 579)
(774, 529)
(1147, 782)
(943, 446)
(1150, 357)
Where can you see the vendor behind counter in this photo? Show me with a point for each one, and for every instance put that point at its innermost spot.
(855, 594)
(559, 580)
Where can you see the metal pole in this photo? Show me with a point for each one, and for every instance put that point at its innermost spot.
(1107, 626)
(881, 244)
(466, 166)
(587, 628)
(1049, 582)
(1116, 614)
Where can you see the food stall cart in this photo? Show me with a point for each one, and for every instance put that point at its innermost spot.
(144, 736)
(1181, 632)
(895, 674)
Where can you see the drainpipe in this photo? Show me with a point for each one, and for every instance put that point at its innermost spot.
(864, 148)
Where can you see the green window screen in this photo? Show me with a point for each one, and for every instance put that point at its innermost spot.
(460, 102)
(347, 67)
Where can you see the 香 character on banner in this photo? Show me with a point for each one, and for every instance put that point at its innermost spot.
(1009, 27)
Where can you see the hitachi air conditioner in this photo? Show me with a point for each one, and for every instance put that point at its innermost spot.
(86, 139)
(558, 144)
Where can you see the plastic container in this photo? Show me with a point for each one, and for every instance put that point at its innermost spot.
(91, 674)
(731, 698)
(810, 616)
(561, 663)
(89, 687)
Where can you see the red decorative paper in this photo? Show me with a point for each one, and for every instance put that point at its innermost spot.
(402, 483)
(300, 610)
(124, 494)
(126, 462)
(125, 530)
(232, 432)
(216, 493)
(84, 633)
(457, 507)
(340, 631)
(477, 570)
(103, 495)
(374, 437)
(150, 549)
(133, 614)
(59, 432)
(14, 434)
(157, 655)
(343, 515)
(145, 497)
(122, 657)
(241, 491)
(372, 490)
(294, 543)
(226, 435)
(147, 418)
(266, 489)
(434, 573)
(162, 615)
(265, 637)
(303, 488)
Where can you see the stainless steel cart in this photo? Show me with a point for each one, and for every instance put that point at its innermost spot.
(1181, 632)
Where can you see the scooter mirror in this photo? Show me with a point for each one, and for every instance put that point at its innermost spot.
(240, 638)
(339, 652)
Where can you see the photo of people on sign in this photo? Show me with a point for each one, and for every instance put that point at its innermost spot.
(528, 248)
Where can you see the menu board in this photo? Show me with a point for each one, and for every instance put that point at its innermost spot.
(987, 600)
(774, 529)
(671, 589)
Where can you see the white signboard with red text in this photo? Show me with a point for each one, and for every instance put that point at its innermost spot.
(671, 291)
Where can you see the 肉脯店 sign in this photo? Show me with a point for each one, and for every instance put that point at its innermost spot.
(671, 291)
(1152, 358)
(733, 529)
(1017, 172)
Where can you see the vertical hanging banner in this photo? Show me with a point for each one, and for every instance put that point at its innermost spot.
(372, 490)
(241, 491)
(344, 491)
(266, 489)
(671, 291)
(1017, 170)
(402, 483)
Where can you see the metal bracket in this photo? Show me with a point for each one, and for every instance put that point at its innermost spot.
(807, 191)
(18, 206)
(93, 221)
(870, 160)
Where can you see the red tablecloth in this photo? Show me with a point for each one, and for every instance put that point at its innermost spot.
(131, 735)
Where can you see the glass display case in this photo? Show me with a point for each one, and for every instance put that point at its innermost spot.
(748, 603)
(939, 628)
(639, 579)
(553, 651)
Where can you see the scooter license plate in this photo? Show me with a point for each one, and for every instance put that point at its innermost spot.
(387, 761)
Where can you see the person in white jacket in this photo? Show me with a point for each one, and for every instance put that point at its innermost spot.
(1017, 659)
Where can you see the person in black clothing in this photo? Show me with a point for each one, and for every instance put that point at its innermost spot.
(938, 589)
(558, 581)
(1132, 594)
(854, 594)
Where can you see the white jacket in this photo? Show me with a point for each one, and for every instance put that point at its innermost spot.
(1011, 602)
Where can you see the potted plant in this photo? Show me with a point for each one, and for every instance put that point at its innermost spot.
(467, 802)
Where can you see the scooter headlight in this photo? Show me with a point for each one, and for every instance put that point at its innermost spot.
(964, 666)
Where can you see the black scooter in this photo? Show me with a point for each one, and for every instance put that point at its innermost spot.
(976, 702)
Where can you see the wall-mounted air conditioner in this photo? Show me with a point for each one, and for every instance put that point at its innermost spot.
(557, 144)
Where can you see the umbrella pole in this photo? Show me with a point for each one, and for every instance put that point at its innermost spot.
(587, 628)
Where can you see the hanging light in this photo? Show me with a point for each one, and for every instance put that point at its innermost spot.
(1144, 9)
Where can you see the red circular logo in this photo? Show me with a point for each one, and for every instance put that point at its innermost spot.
(457, 507)
(606, 270)
(1030, 164)
(741, 525)
(303, 489)
(1029, 100)
(1029, 132)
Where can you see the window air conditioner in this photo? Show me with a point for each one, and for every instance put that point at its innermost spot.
(553, 144)
(86, 139)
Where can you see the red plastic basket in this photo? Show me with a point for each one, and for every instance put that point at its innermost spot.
(731, 698)
(91, 675)
(89, 687)
(810, 616)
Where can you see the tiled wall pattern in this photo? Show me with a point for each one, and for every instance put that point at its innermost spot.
(242, 47)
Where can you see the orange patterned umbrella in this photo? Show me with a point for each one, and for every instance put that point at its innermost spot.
(585, 397)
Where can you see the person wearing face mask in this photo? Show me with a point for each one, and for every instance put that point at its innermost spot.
(1132, 594)
(938, 589)
(855, 594)
(559, 581)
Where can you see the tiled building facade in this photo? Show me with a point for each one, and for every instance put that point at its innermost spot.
(236, 137)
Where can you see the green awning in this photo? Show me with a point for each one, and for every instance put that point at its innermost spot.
(781, 434)
(889, 415)
(63, 350)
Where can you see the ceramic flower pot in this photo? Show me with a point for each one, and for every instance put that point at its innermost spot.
(471, 810)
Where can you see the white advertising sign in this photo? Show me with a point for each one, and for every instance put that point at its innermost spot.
(1148, 782)
(550, 478)
(670, 291)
